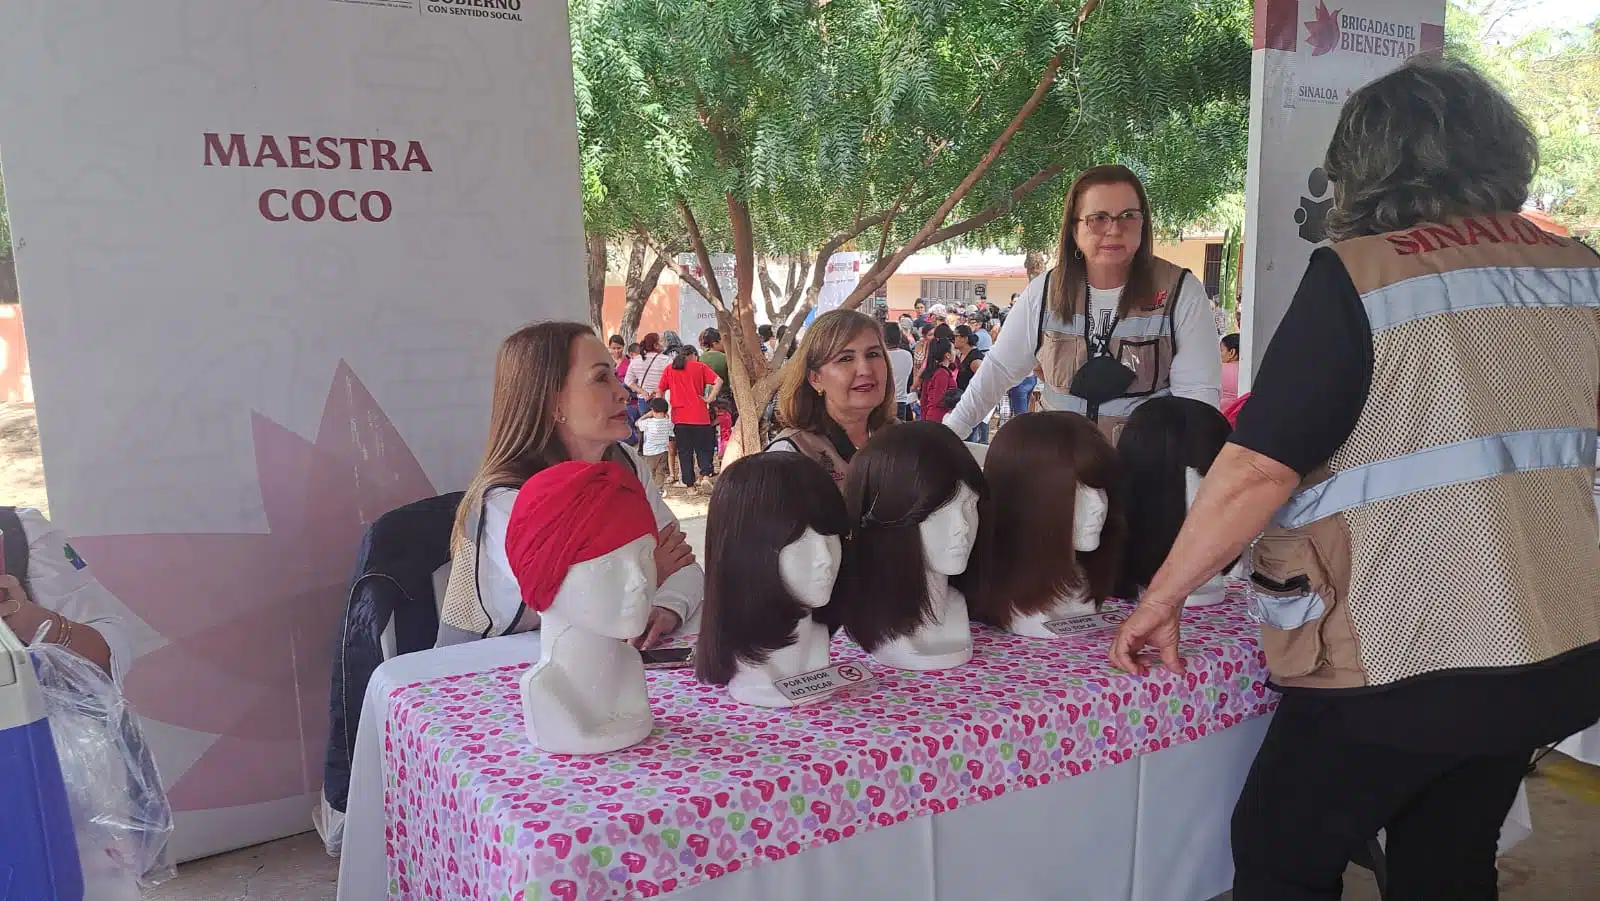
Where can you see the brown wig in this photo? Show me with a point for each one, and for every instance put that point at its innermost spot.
(900, 478)
(1070, 269)
(1162, 438)
(799, 404)
(762, 504)
(1034, 468)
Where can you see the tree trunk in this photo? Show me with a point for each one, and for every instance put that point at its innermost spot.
(748, 365)
(595, 266)
(639, 284)
(1034, 263)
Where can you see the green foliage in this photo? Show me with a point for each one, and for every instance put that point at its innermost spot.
(816, 113)
(1553, 75)
(5, 225)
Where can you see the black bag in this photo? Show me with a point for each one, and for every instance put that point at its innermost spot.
(1101, 379)
(951, 398)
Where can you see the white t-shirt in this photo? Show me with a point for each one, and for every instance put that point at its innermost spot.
(646, 372)
(657, 431)
(497, 585)
(1196, 367)
(59, 580)
(900, 366)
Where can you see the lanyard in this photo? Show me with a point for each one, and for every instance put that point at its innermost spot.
(1103, 348)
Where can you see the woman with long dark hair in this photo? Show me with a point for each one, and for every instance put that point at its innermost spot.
(689, 385)
(938, 380)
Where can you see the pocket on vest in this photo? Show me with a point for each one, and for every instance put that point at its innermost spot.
(1144, 357)
(1060, 357)
(1289, 596)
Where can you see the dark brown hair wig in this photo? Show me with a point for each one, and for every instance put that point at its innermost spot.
(1034, 468)
(1070, 269)
(898, 479)
(762, 503)
(1162, 438)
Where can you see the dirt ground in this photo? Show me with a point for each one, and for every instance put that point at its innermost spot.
(21, 472)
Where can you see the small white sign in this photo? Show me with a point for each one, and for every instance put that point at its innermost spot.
(1089, 622)
(823, 682)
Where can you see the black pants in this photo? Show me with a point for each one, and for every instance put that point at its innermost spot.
(695, 442)
(1315, 796)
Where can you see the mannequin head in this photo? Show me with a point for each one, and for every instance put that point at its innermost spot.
(773, 545)
(610, 595)
(912, 493)
(1163, 439)
(1051, 475)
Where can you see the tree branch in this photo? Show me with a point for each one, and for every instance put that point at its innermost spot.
(684, 275)
(698, 242)
(996, 210)
(883, 268)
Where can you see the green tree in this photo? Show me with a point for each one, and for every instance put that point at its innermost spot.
(793, 128)
(1553, 75)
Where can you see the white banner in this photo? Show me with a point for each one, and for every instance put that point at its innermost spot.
(844, 273)
(267, 252)
(1308, 58)
(695, 314)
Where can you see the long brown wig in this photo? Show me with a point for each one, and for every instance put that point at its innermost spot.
(1034, 468)
(898, 479)
(1070, 270)
(763, 503)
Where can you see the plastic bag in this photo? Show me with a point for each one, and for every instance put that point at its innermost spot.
(119, 808)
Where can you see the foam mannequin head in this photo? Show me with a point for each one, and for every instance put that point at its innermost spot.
(773, 535)
(949, 534)
(1162, 443)
(1051, 475)
(610, 595)
(808, 566)
(1089, 518)
(912, 493)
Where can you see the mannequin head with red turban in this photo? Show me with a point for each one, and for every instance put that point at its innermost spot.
(582, 540)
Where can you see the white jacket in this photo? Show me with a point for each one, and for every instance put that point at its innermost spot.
(60, 581)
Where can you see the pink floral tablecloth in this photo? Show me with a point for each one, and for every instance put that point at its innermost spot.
(475, 811)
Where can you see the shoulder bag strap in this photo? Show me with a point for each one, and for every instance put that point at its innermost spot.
(1044, 306)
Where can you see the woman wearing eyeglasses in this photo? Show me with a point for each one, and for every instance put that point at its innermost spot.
(1111, 326)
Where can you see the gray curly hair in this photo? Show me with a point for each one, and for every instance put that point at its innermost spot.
(1430, 141)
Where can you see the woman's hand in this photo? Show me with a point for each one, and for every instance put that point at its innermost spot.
(22, 615)
(672, 553)
(663, 622)
(1152, 625)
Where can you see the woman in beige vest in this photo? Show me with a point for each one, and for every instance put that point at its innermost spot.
(836, 390)
(556, 397)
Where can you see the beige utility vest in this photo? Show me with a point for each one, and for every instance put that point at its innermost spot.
(1455, 529)
(1142, 340)
(817, 448)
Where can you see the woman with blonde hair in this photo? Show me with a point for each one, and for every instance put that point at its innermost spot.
(556, 398)
(836, 390)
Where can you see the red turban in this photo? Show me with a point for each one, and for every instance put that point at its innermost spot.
(569, 513)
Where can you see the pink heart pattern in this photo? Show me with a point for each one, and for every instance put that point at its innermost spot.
(475, 811)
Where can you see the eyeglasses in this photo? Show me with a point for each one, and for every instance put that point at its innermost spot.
(1100, 223)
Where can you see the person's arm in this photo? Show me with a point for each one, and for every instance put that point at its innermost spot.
(1197, 367)
(681, 592)
(710, 375)
(62, 588)
(1320, 359)
(1008, 363)
(635, 373)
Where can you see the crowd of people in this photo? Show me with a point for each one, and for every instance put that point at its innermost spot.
(1431, 609)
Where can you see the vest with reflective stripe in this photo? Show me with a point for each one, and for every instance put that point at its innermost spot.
(1455, 528)
(1142, 341)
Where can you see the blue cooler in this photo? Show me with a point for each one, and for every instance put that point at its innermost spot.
(38, 850)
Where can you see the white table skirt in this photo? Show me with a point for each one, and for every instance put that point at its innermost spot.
(1153, 829)
(1584, 746)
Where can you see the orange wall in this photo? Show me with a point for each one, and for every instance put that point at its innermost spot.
(15, 385)
(660, 311)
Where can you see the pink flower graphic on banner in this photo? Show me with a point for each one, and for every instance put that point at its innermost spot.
(250, 618)
(1323, 31)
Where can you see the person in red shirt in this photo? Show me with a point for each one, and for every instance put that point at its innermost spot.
(689, 385)
(938, 379)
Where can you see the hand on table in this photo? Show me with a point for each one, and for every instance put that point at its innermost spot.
(1152, 625)
(672, 553)
(662, 623)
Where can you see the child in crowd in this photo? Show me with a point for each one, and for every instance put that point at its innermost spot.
(724, 423)
(655, 428)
